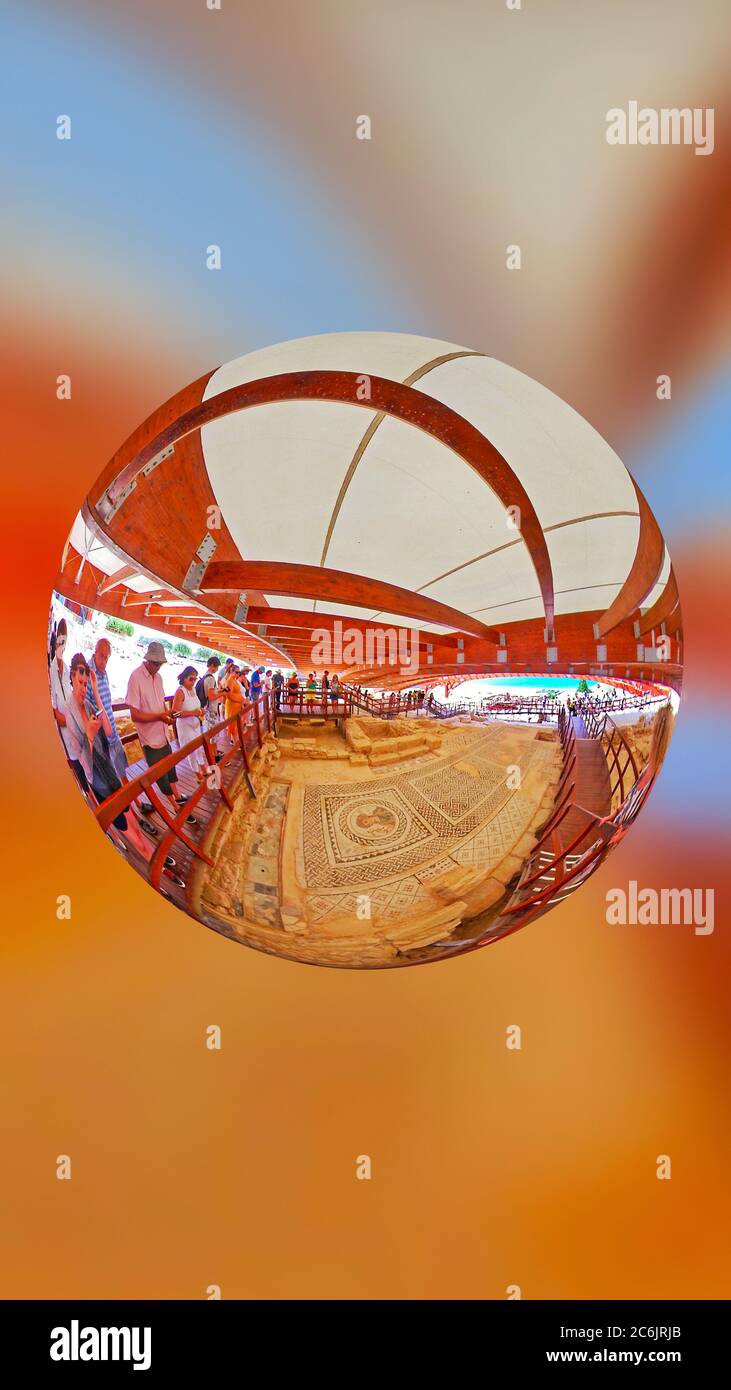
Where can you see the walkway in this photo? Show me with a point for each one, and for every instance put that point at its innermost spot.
(591, 793)
(209, 802)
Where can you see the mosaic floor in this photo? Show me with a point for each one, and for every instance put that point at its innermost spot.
(428, 844)
(403, 826)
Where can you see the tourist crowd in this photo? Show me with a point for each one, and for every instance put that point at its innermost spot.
(82, 707)
(83, 710)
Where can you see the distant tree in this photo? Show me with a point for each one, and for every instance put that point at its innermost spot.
(583, 687)
(182, 649)
(116, 625)
(167, 644)
(203, 654)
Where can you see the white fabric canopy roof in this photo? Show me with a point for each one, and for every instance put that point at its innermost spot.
(415, 514)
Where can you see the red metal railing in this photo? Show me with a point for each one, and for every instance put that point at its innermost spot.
(247, 728)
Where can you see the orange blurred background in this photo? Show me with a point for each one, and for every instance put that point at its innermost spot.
(490, 1167)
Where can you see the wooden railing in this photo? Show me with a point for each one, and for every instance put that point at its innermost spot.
(386, 706)
(620, 758)
(554, 870)
(541, 704)
(550, 870)
(247, 728)
(538, 706)
(559, 873)
(317, 704)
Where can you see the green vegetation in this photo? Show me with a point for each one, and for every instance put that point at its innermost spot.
(182, 649)
(583, 687)
(116, 625)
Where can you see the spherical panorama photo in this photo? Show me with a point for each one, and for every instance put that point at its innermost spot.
(364, 650)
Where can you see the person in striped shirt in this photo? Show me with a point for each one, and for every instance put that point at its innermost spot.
(98, 663)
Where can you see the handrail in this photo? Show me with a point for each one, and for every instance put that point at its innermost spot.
(246, 723)
(608, 828)
(132, 734)
(616, 745)
(388, 706)
(538, 902)
(492, 706)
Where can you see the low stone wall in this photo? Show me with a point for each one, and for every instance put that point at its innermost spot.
(379, 742)
(230, 834)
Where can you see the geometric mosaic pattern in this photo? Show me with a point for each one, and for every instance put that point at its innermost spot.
(354, 835)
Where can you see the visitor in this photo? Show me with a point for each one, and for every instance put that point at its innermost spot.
(151, 718)
(235, 698)
(189, 719)
(335, 689)
(88, 734)
(244, 680)
(98, 665)
(293, 690)
(310, 690)
(225, 673)
(210, 700)
(61, 685)
(255, 683)
(277, 685)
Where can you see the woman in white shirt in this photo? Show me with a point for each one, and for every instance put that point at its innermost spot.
(61, 685)
(189, 719)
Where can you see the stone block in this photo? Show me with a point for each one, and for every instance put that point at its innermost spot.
(455, 883)
(508, 868)
(216, 896)
(525, 845)
(486, 895)
(426, 927)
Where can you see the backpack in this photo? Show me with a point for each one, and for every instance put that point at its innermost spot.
(201, 692)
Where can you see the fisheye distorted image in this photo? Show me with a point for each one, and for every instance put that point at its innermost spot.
(364, 650)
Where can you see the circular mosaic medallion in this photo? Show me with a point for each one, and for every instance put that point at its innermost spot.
(370, 822)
